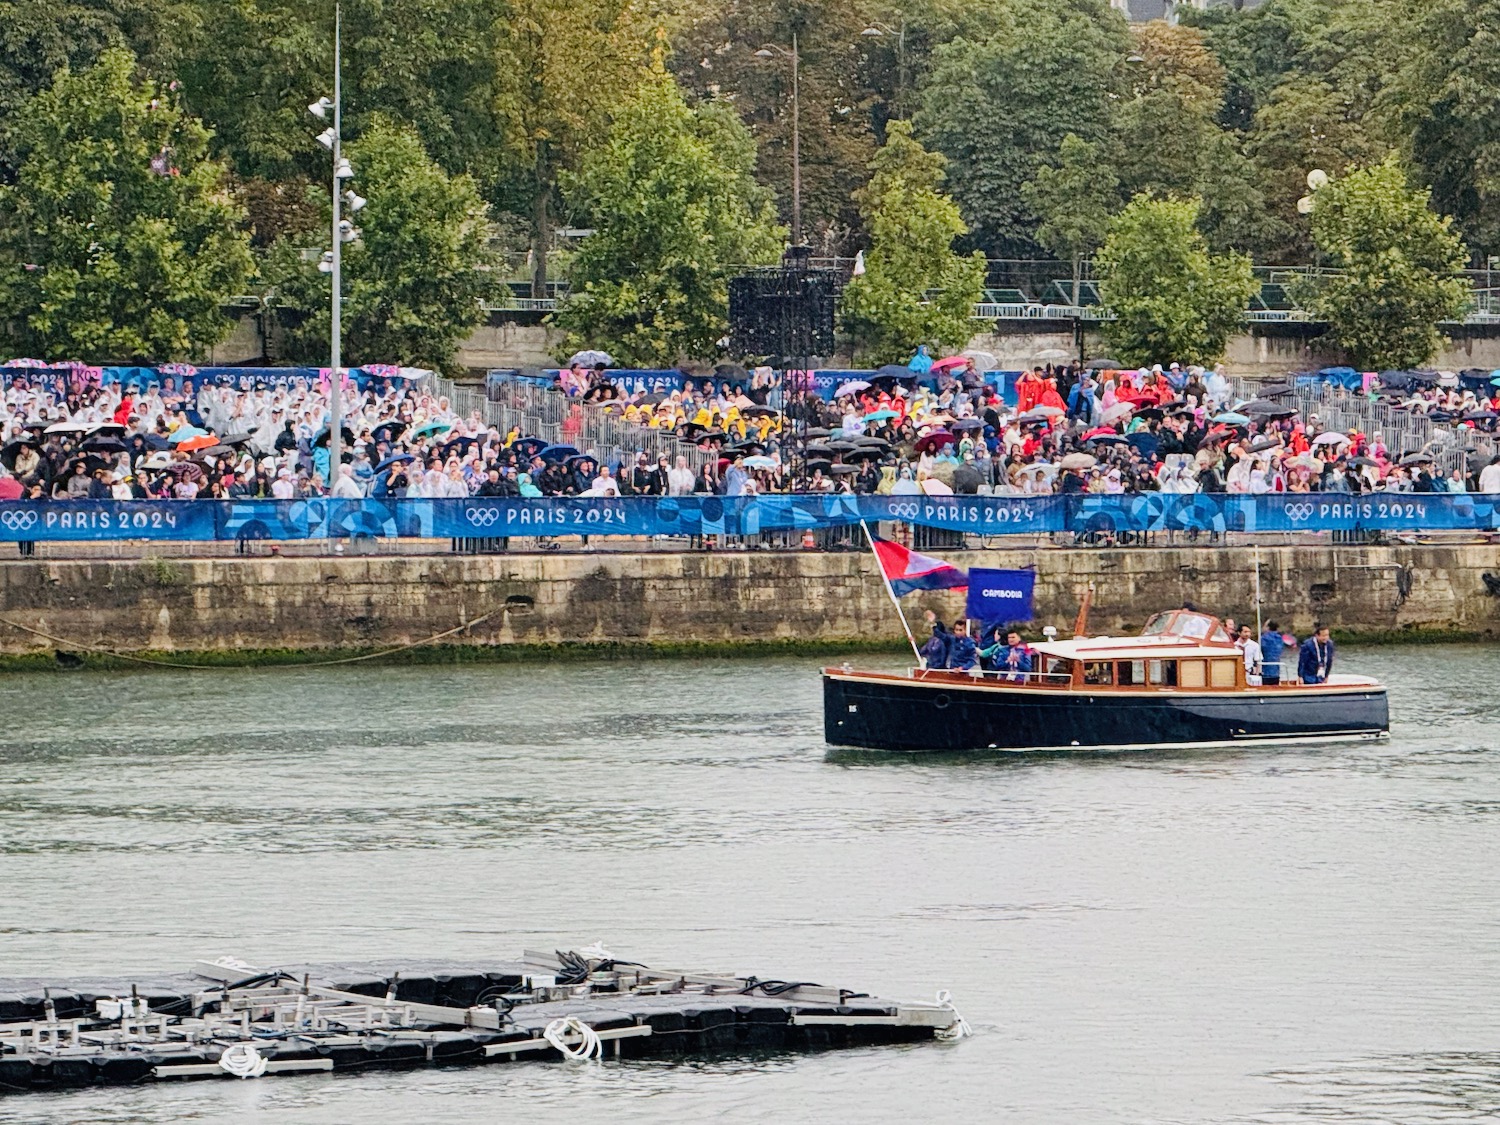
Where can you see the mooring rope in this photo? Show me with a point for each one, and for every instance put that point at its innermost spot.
(591, 1047)
(103, 651)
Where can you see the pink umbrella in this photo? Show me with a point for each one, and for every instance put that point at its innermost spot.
(934, 487)
(952, 363)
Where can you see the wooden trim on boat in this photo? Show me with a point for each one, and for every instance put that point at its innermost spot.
(945, 679)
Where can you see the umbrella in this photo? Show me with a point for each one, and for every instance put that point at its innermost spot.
(933, 440)
(106, 445)
(881, 415)
(852, 387)
(1118, 411)
(1230, 418)
(558, 453)
(1330, 438)
(1049, 411)
(843, 470)
(842, 446)
(1078, 461)
(1031, 416)
(1041, 469)
(158, 460)
(1275, 390)
(952, 363)
(864, 453)
(215, 451)
(420, 432)
(591, 359)
(819, 464)
(934, 487)
(711, 435)
(873, 442)
(1416, 459)
(818, 449)
(197, 442)
(69, 428)
(967, 424)
(983, 361)
(1481, 416)
(111, 429)
(156, 442)
(1108, 439)
(529, 446)
(239, 438)
(759, 462)
(1047, 354)
(1102, 364)
(745, 447)
(9, 454)
(185, 433)
(1261, 444)
(759, 412)
(344, 431)
(1149, 412)
(729, 371)
(1364, 462)
(895, 371)
(392, 462)
(1144, 443)
(816, 432)
(191, 470)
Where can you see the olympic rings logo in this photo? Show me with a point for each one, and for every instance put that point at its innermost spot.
(482, 517)
(1297, 512)
(18, 521)
(905, 511)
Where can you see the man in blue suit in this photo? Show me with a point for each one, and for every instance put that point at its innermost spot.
(1315, 658)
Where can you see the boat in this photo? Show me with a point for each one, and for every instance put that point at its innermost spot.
(1181, 684)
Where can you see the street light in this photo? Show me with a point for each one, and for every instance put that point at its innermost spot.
(878, 30)
(770, 52)
(332, 262)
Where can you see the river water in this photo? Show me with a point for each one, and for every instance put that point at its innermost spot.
(1260, 936)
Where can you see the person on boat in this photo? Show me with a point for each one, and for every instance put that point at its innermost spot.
(934, 652)
(1250, 648)
(1315, 658)
(1013, 659)
(963, 653)
(1272, 645)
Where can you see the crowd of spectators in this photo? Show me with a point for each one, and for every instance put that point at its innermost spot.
(940, 431)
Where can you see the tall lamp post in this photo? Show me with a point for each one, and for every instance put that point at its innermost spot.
(770, 52)
(878, 30)
(333, 261)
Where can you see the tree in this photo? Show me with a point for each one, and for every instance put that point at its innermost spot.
(915, 289)
(1171, 298)
(676, 211)
(998, 107)
(413, 280)
(549, 104)
(1074, 199)
(717, 57)
(1445, 100)
(1400, 268)
(118, 240)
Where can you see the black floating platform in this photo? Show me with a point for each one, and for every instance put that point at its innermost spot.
(228, 1019)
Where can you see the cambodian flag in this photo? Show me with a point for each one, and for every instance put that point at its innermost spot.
(908, 572)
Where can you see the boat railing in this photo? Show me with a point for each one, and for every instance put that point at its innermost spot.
(1004, 676)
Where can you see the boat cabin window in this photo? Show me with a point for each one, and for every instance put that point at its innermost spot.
(1221, 673)
(1099, 673)
(1162, 673)
(1186, 623)
(1132, 672)
(1192, 673)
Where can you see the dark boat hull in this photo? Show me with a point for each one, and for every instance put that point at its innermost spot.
(915, 716)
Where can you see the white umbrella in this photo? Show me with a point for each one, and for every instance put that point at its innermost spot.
(1330, 438)
(589, 358)
(69, 428)
(1116, 412)
(1051, 353)
(983, 361)
(852, 387)
(1049, 411)
(1078, 461)
(934, 487)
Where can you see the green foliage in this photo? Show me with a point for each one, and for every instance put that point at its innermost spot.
(118, 241)
(1399, 265)
(915, 289)
(1074, 200)
(998, 107)
(676, 211)
(412, 282)
(1171, 297)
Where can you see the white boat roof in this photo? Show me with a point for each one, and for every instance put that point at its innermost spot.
(1134, 648)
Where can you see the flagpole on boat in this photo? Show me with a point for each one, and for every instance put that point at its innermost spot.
(895, 601)
(1259, 628)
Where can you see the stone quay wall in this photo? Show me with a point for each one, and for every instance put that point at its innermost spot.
(304, 605)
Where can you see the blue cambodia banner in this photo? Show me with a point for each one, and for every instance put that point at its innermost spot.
(478, 518)
(1000, 595)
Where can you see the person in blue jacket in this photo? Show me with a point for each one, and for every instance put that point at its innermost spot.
(1315, 658)
(1012, 659)
(1272, 646)
(963, 653)
(934, 651)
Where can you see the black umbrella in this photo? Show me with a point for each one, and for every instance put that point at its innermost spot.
(241, 438)
(1364, 462)
(811, 465)
(967, 424)
(1269, 409)
(1481, 416)
(747, 448)
(9, 454)
(1261, 444)
(1275, 390)
(1102, 364)
(390, 431)
(104, 445)
(873, 442)
(730, 371)
(841, 446)
(711, 435)
(1426, 377)
(843, 470)
(864, 454)
(1416, 459)
(895, 371)
(816, 432)
(1149, 412)
(345, 431)
(817, 449)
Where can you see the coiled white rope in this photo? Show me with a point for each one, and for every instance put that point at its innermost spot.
(243, 1061)
(959, 1028)
(591, 1047)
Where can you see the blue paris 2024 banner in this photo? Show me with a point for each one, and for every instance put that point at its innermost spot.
(1000, 595)
(480, 518)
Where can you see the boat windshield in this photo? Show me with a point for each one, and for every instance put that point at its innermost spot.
(1185, 623)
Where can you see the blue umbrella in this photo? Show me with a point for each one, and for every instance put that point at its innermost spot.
(895, 371)
(432, 428)
(530, 446)
(185, 433)
(1231, 418)
(557, 453)
(399, 459)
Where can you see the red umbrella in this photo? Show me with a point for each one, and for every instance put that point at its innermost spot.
(933, 440)
(953, 362)
(202, 441)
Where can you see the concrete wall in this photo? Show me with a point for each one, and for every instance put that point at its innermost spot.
(311, 603)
